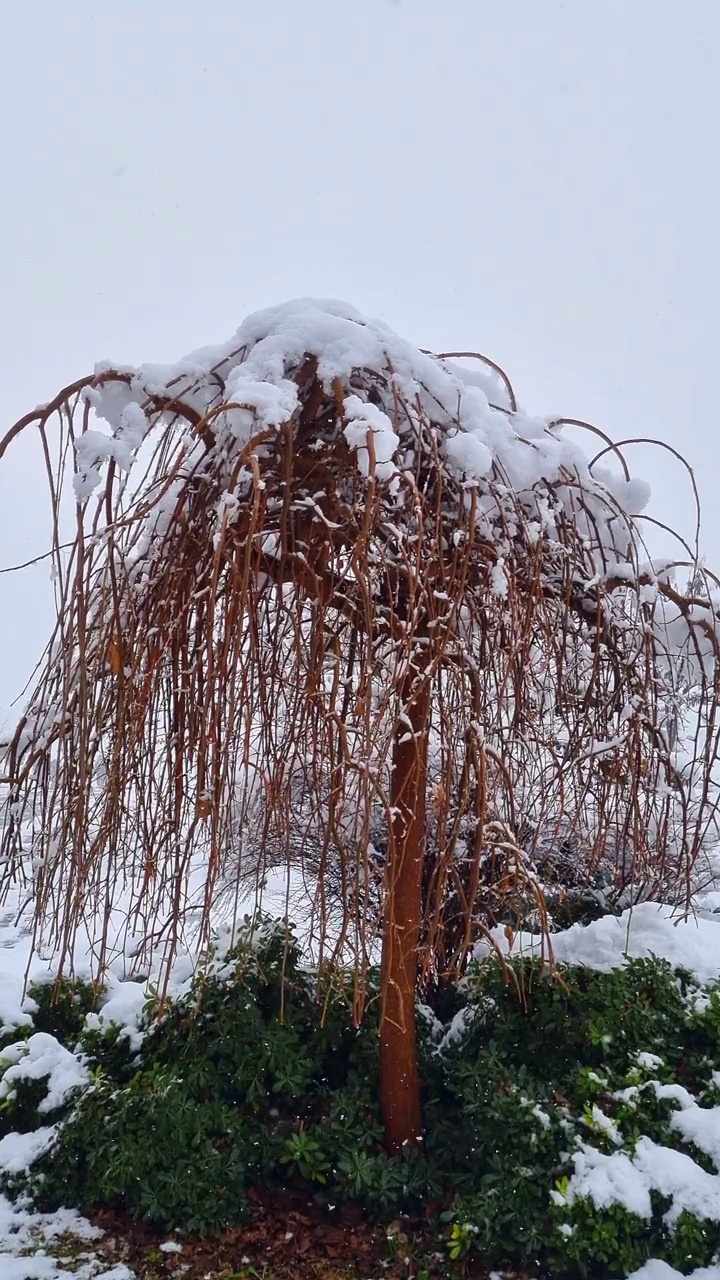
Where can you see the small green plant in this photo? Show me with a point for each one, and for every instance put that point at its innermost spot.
(462, 1237)
(304, 1155)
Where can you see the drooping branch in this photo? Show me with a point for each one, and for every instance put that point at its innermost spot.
(219, 699)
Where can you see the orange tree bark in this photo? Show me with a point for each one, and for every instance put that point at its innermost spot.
(399, 1077)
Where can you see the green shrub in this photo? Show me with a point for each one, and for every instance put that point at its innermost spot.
(63, 1007)
(611, 1238)
(19, 1108)
(242, 1084)
(156, 1150)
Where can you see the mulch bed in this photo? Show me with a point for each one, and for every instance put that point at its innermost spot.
(288, 1237)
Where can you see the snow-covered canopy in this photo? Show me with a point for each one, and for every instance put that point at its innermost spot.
(387, 389)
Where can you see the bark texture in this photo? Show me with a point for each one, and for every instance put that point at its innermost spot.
(399, 1078)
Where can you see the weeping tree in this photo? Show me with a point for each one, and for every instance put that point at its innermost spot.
(316, 584)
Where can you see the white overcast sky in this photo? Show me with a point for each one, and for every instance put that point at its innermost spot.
(534, 179)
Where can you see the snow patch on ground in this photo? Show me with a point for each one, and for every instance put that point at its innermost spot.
(647, 930)
(654, 1270)
(22, 1230)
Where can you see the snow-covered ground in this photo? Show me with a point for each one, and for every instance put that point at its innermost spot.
(646, 930)
(22, 1231)
(24, 1234)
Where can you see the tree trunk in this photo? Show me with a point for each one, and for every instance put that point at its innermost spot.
(399, 1078)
